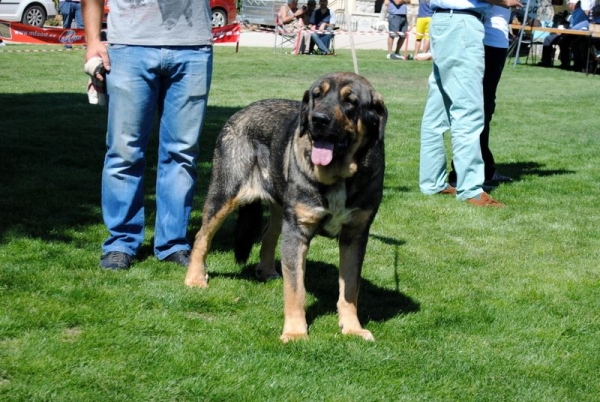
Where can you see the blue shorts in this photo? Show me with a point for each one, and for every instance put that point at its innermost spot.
(397, 23)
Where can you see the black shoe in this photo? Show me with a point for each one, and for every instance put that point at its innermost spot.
(116, 261)
(181, 257)
(497, 179)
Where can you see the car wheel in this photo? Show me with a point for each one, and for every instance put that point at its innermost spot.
(34, 15)
(219, 18)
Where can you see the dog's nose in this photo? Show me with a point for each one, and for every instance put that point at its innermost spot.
(320, 119)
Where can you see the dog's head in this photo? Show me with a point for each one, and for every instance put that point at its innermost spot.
(342, 114)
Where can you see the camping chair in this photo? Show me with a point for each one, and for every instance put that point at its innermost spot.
(523, 50)
(537, 40)
(285, 37)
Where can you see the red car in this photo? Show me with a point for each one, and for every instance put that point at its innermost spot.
(223, 12)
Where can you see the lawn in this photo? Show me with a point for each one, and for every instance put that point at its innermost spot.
(465, 304)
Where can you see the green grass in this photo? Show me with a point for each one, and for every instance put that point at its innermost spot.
(465, 303)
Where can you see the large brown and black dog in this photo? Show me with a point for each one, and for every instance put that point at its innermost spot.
(319, 163)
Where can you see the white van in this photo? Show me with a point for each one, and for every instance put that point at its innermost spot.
(30, 12)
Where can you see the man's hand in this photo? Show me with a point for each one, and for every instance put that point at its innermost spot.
(98, 49)
(92, 18)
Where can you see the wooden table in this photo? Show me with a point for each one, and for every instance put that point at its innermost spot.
(592, 32)
(528, 28)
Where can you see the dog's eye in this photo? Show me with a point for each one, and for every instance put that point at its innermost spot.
(352, 99)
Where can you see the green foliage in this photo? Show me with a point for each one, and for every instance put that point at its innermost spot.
(465, 303)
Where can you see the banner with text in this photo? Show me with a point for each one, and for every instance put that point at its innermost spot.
(21, 33)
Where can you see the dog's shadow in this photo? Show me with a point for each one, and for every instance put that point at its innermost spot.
(375, 303)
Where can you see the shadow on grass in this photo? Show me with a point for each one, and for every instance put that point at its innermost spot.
(52, 149)
(321, 280)
(518, 170)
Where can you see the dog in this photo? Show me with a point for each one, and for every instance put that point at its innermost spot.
(319, 164)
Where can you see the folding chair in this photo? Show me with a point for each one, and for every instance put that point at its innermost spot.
(285, 38)
(537, 42)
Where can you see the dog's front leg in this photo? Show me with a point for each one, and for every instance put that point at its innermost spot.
(294, 248)
(353, 243)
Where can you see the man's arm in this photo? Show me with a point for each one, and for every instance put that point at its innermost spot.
(505, 3)
(92, 18)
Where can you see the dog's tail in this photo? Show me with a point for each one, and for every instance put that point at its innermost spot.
(247, 230)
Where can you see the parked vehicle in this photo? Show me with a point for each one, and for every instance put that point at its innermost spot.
(223, 12)
(30, 12)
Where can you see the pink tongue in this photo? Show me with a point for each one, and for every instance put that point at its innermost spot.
(322, 153)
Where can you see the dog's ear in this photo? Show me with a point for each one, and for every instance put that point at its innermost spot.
(304, 113)
(376, 114)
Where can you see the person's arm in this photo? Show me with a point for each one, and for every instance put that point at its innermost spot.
(505, 3)
(325, 22)
(285, 18)
(92, 20)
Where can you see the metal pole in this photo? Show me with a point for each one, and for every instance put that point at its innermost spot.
(523, 24)
(352, 48)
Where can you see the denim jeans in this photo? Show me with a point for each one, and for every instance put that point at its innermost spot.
(455, 103)
(71, 10)
(175, 82)
(322, 40)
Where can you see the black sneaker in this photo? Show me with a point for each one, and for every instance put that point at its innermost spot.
(181, 257)
(115, 261)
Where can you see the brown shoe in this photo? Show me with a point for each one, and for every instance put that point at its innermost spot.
(485, 200)
(448, 190)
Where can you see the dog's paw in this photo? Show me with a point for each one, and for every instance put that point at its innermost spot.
(194, 282)
(289, 336)
(266, 277)
(266, 274)
(363, 333)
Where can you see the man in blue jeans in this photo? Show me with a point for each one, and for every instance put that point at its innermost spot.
(70, 10)
(158, 60)
(455, 100)
(321, 21)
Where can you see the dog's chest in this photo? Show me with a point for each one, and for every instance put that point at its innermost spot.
(336, 213)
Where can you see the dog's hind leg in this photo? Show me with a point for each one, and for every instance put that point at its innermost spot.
(353, 244)
(211, 222)
(265, 270)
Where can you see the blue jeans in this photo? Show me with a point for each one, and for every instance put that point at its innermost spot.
(71, 10)
(455, 103)
(174, 81)
(322, 40)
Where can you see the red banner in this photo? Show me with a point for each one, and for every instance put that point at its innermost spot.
(21, 33)
(226, 34)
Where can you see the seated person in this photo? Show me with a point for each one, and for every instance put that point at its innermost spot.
(566, 48)
(322, 20)
(581, 45)
(577, 16)
(290, 17)
(303, 40)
